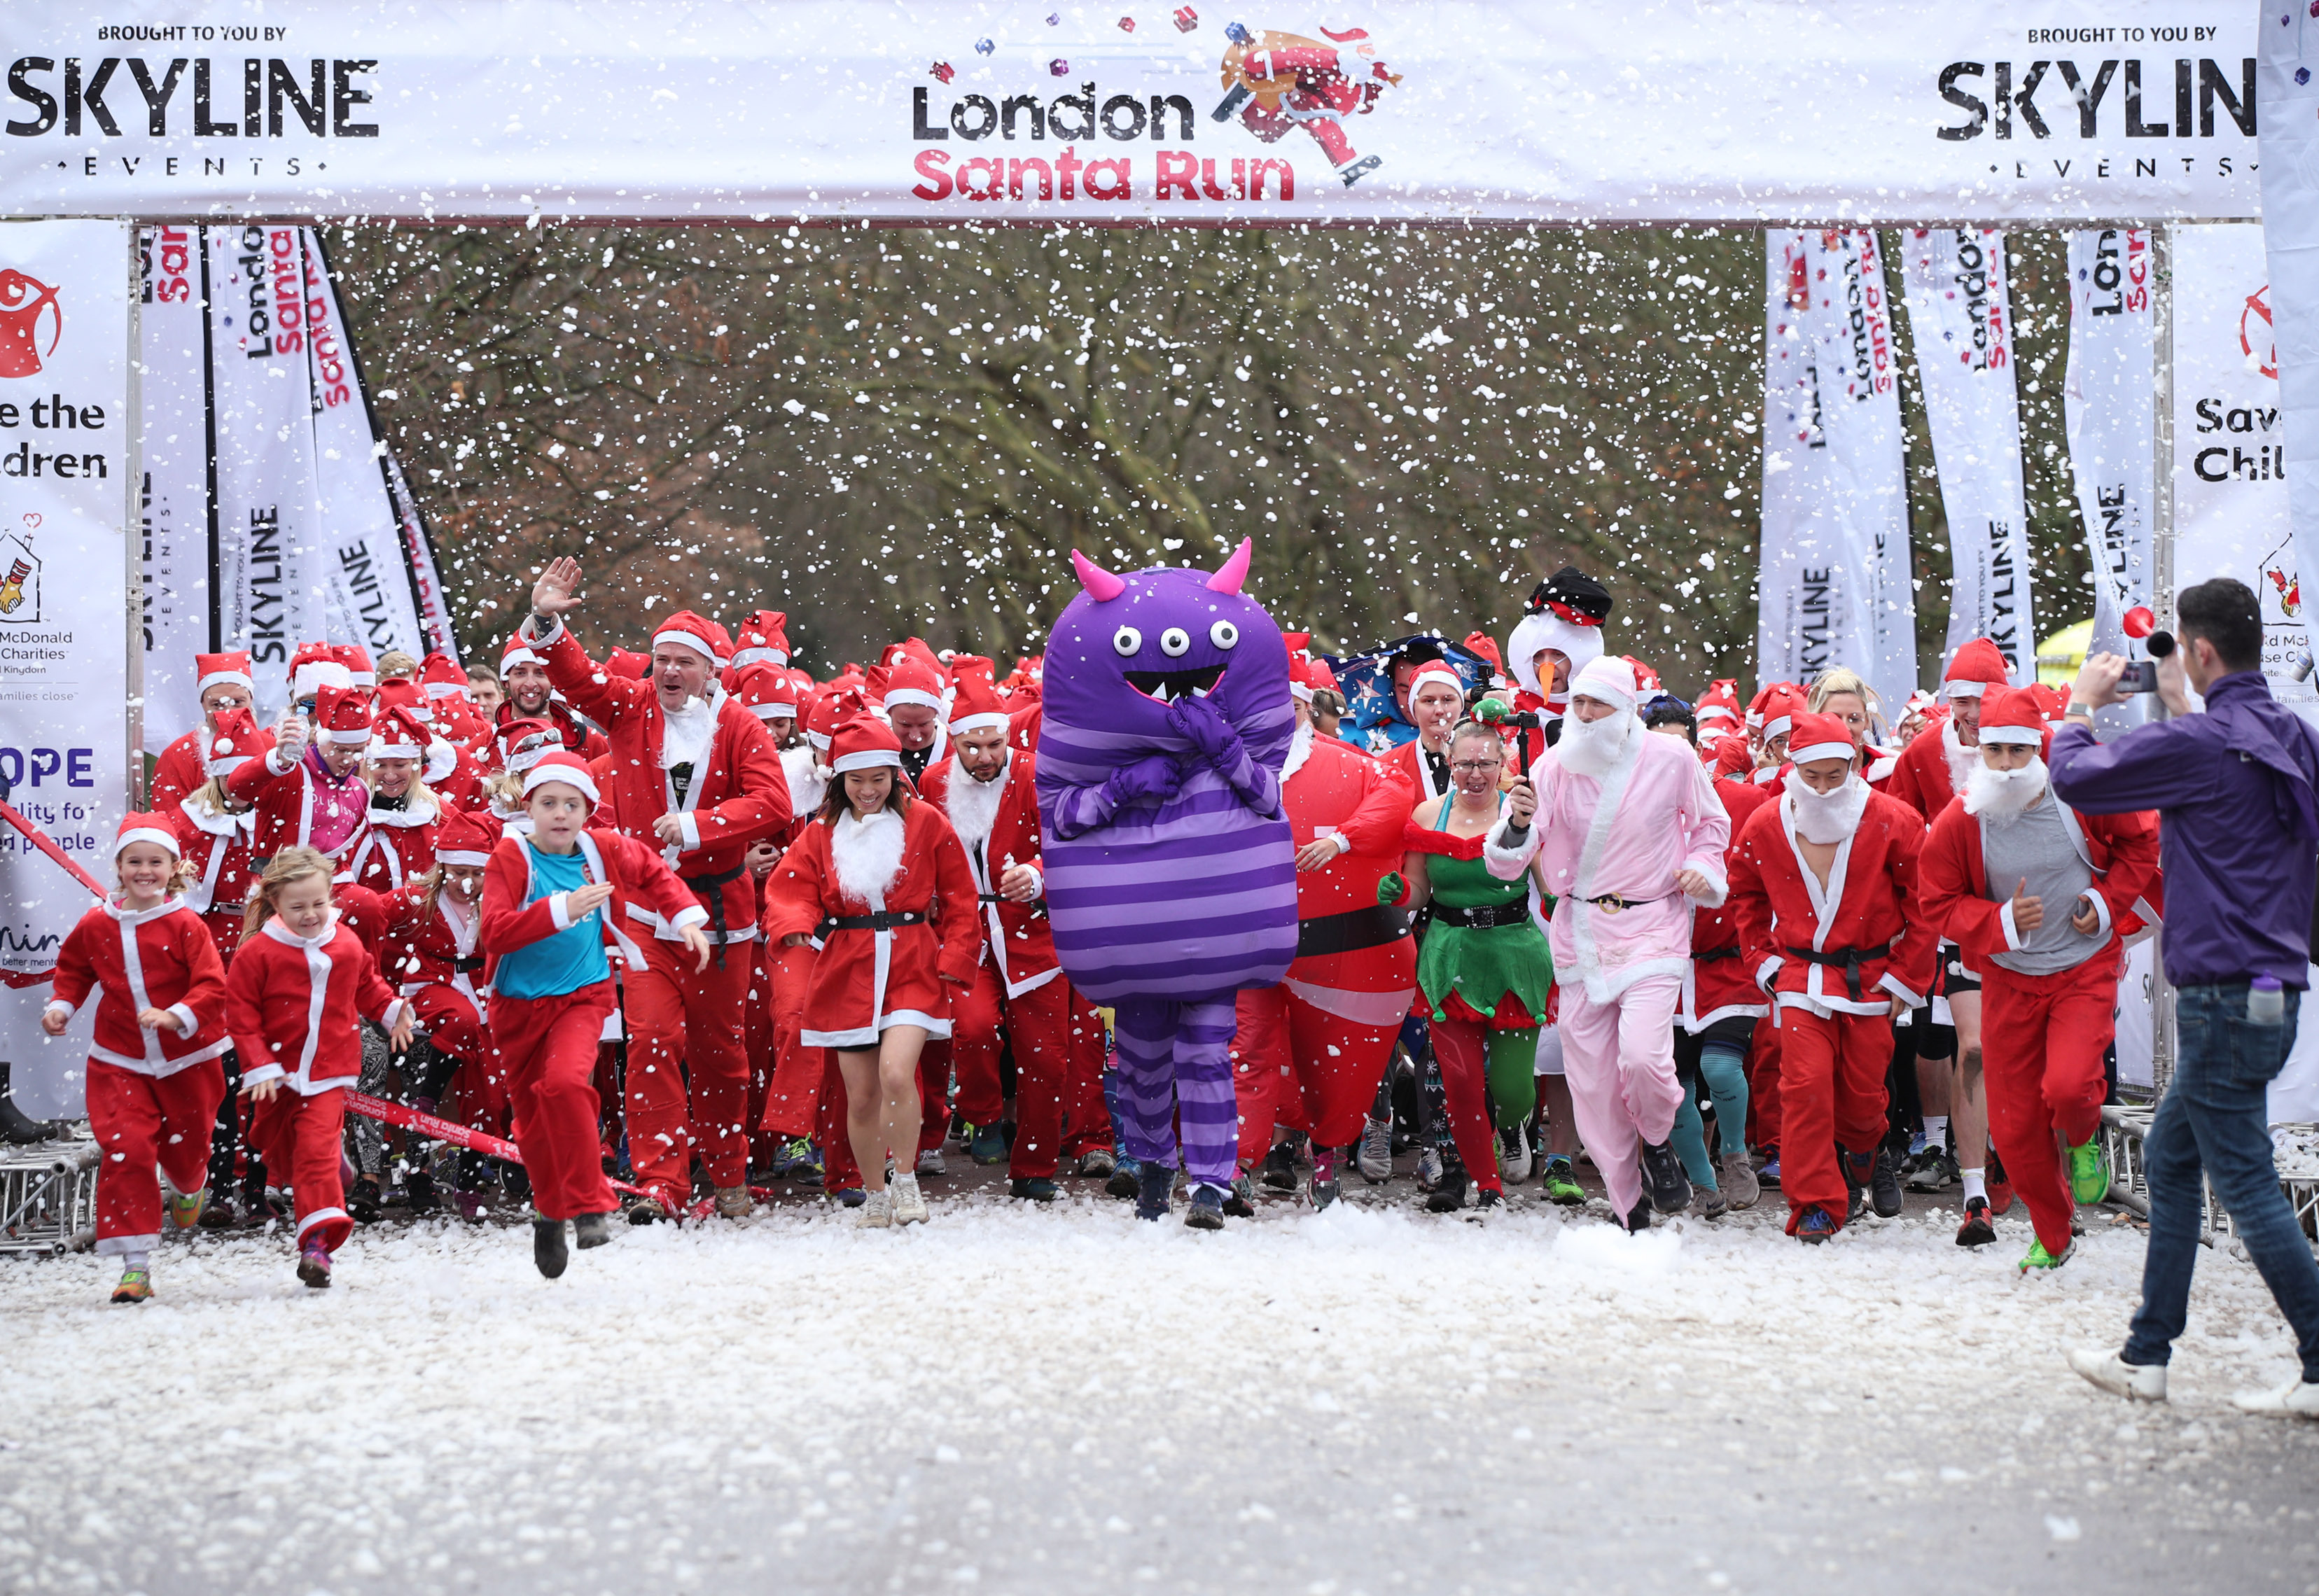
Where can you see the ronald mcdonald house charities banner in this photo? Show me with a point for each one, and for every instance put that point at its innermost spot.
(1829, 112)
(67, 442)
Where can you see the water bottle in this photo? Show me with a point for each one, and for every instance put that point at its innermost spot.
(2266, 1002)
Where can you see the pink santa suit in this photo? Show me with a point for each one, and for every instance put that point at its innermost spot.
(1620, 814)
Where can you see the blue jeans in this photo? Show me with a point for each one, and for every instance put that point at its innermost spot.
(2215, 1115)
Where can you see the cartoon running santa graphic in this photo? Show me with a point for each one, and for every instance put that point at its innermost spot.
(1275, 81)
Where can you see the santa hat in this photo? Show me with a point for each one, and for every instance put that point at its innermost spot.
(2012, 714)
(440, 676)
(1436, 671)
(833, 709)
(400, 735)
(356, 659)
(626, 663)
(1646, 680)
(230, 669)
(976, 706)
(1565, 614)
(524, 743)
(1485, 647)
(684, 629)
(721, 641)
(462, 839)
(764, 690)
(914, 648)
(342, 714)
(519, 651)
(399, 694)
(911, 680)
(1609, 679)
(865, 742)
(1782, 707)
(314, 666)
(562, 766)
(1977, 668)
(136, 827)
(1920, 702)
(1818, 737)
(1300, 665)
(763, 639)
(235, 743)
(1720, 703)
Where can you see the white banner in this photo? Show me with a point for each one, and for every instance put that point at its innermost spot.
(173, 387)
(273, 590)
(2291, 191)
(67, 449)
(419, 557)
(1835, 583)
(371, 599)
(2109, 408)
(1959, 316)
(1819, 110)
(2230, 460)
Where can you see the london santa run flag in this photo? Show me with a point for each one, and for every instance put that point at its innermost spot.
(174, 493)
(2285, 318)
(1834, 584)
(2108, 407)
(1959, 312)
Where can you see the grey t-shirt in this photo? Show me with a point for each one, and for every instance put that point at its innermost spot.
(2036, 845)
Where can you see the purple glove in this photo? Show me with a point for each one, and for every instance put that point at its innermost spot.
(1154, 776)
(1203, 725)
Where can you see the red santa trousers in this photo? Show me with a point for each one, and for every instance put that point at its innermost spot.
(546, 1051)
(1832, 1091)
(685, 1024)
(760, 1042)
(1298, 1065)
(2042, 1042)
(298, 1137)
(1038, 1026)
(1617, 1059)
(1087, 1121)
(793, 1096)
(139, 1122)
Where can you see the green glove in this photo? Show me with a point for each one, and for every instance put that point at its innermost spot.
(1391, 888)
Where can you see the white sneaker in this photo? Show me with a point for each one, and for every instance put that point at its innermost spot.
(909, 1205)
(876, 1212)
(930, 1162)
(2135, 1382)
(1376, 1157)
(2297, 1398)
(1429, 1168)
(1513, 1155)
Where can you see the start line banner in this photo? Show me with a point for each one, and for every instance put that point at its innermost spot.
(1753, 112)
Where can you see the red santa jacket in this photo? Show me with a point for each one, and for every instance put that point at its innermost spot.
(1927, 774)
(1017, 934)
(158, 958)
(433, 944)
(1872, 901)
(1332, 789)
(285, 801)
(219, 848)
(398, 844)
(292, 1004)
(179, 768)
(2121, 849)
(1721, 982)
(643, 889)
(737, 794)
(1405, 764)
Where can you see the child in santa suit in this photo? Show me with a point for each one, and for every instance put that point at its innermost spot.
(1824, 887)
(883, 881)
(298, 1045)
(1309, 1052)
(2036, 896)
(311, 794)
(153, 1075)
(551, 901)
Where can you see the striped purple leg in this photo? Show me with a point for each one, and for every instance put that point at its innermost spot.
(1204, 1090)
(1144, 1029)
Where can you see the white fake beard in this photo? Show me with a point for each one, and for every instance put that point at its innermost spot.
(866, 854)
(2003, 796)
(1592, 747)
(973, 805)
(1963, 760)
(1300, 749)
(809, 777)
(1827, 818)
(684, 736)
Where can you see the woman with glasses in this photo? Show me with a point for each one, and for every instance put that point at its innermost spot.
(1482, 965)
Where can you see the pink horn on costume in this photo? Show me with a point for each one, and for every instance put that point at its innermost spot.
(1102, 586)
(1235, 569)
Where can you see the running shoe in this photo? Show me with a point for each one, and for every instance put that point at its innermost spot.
(1708, 1203)
(1156, 1190)
(1208, 1208)
(876, 1212)
(2000, 1189)
(1884, 1186)
(1670, 1187)
(1768, 1177)
(184, 1209)
(1932, 1170)
(930, 1162)
(986, 1146)
(136, 1286)
(2039, 1258)
(2297, 1398)
(1126, 1178)
(1279, 1171)
(1035, 1188)
(1638, 1217)
(314, 1265)
(591, 1230)
(801, 1161)
(1429, 1168)
(854, 1196)
(1322, 1193)
(548, 1249)
(364, 1202)
(1514, 1154)
(1097, 1163)
(1816, 1224)
(1448, 1194)
(1487, 1206)
(219, 1216)
(1739, 1186)
(1976, 1230)
(651, 1208)
(2135, 1382)
(1376, 1157)
(733, 1202)
(909, 1202)
(1241, 1201)
(2089, 1171)
(1562, 1183)
(419, 1192)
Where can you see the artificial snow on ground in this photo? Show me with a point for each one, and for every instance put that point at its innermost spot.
(1014, 1399)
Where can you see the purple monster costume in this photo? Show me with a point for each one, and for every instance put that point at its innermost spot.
(1172, 878)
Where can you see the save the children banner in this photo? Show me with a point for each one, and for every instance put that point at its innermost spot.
(1820, 111)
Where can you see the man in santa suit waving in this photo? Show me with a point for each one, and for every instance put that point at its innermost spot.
(1309, 1052)
(694, 774)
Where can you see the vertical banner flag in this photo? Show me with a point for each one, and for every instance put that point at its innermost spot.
(2289, 315)
(2109, 406)
(1834, 586)
(272, 591)
(370, 600)
(173, 388)
(2231, 472)
(419, 554)
(65, 450)
(1958, 314)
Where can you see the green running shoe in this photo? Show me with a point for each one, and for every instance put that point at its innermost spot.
(2039, 1258)
(1562, 1184)
(2090, 1172)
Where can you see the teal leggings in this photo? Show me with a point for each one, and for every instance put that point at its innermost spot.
(1725, 1070)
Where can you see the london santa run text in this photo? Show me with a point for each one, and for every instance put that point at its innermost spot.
(1174, 174)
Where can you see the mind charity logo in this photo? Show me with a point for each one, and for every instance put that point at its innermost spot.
(23, 300)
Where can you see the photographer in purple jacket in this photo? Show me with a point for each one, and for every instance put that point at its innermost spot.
(2237, 792)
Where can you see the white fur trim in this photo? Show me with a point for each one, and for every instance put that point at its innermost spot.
(700, 645)
(866, 856)
(868, 758)
(240, 679)
(2019, 734)
(539, 776)
(1434, 670)
(463, 858)
(912, 695)
(992, 721)
(1964, 690)
(1300, 749)
(354, 739)
(1817, 750)
(149, 834)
